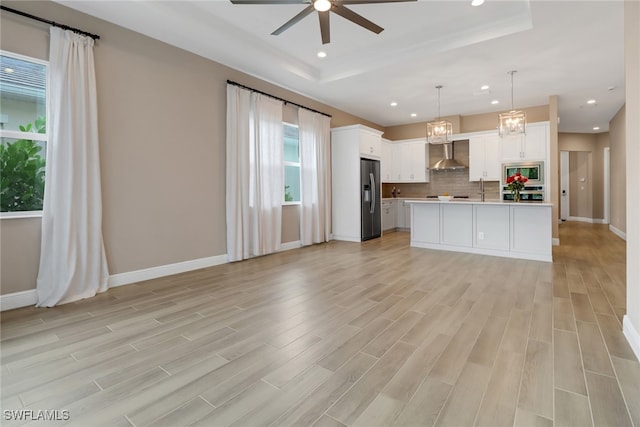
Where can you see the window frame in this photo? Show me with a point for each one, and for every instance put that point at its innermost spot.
(287, 163)
(16, 134)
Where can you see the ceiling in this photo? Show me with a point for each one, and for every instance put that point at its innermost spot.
(573, 49)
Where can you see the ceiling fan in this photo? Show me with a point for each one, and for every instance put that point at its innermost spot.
(324, 7)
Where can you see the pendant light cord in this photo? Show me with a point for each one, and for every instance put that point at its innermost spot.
(512, 73)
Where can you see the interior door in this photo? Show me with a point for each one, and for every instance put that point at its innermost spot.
(565, 200)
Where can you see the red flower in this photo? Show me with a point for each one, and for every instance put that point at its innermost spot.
(510, 180)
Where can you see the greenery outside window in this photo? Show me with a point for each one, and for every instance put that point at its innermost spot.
(291, 164)
(23, 134)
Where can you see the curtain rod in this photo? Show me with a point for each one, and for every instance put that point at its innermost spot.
(276, 97)
(46, 21)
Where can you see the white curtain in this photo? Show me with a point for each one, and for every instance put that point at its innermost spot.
(255, 174)
(73, 264)
(315, 176)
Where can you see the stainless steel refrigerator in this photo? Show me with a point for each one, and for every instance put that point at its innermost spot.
(370, 199)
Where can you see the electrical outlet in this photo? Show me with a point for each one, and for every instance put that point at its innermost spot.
(480, 235)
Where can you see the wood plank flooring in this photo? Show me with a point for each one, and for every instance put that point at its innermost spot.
(340, 334)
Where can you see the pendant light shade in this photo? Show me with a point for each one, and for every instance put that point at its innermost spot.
(514, 122)
(439, 131)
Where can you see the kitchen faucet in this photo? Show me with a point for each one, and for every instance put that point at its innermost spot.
(481, 190)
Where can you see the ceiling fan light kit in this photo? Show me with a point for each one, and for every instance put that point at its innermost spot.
(324, 7)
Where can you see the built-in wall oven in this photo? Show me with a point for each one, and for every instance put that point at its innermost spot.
(534, 190)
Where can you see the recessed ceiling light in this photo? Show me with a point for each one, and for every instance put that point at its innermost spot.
(596, 128)
(322, 54)
(8, 70)
(495, 101)
(484, 87)
(591, 101)
(477, 2)
(414, 115)
(394, 104)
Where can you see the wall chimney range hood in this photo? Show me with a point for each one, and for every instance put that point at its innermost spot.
(448, 162)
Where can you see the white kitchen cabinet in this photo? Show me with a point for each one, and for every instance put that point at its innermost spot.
(410, 161)
(370, 143)
(484, 158)
(491, 227)
(400, 222)
(457, 225)
(386, 161)
(407, 214)
(388, 215)
(346, 144)
(529, 147)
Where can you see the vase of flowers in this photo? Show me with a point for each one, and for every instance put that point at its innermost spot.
(516, 183)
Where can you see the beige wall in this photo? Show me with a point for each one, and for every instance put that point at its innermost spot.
(463, 124)
(592, 146)
(618, 160)
(554, 165)
(162, 114)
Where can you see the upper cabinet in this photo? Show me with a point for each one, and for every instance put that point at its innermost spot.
(406, 161)
(484, 157)
(529, 147)
(386, 160)
(367, 141)
(370, 143)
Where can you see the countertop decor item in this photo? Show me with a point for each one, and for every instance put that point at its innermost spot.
(516, 183)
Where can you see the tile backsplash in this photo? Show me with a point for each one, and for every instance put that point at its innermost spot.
(454, 182)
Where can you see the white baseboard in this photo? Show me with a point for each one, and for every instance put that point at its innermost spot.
(555, 241)
(18, 299)
(164, 270)
(290, 245)
(618, 232)
(632, 335)
(589, 220)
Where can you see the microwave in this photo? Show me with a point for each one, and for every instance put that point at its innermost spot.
(534, 171)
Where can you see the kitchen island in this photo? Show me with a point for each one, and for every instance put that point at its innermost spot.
(505, 229)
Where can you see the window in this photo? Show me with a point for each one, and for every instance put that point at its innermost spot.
(23, 137)
(291, 164)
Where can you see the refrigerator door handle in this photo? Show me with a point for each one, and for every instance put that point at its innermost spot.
(372, 182)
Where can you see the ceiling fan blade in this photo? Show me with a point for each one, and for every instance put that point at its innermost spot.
(270, 1)
(306, 11)
(324, 27)
(371, 1)
(355, 18)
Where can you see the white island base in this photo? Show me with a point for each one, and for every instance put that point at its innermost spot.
(505, 229)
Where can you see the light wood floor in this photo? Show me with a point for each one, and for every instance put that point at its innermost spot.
(372, 334)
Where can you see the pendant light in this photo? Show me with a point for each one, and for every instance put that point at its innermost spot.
(439, 131)
(514, 122)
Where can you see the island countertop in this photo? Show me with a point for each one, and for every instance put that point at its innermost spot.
(477, 202)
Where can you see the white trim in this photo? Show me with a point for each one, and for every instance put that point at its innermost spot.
(607, 184)
(18, 134)
(20, 214)
(345, 238)
(589, 220)
(18, 299)
(555, 241)
(164, 270)
(632, 335)
(618, 232)
(290, 245)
